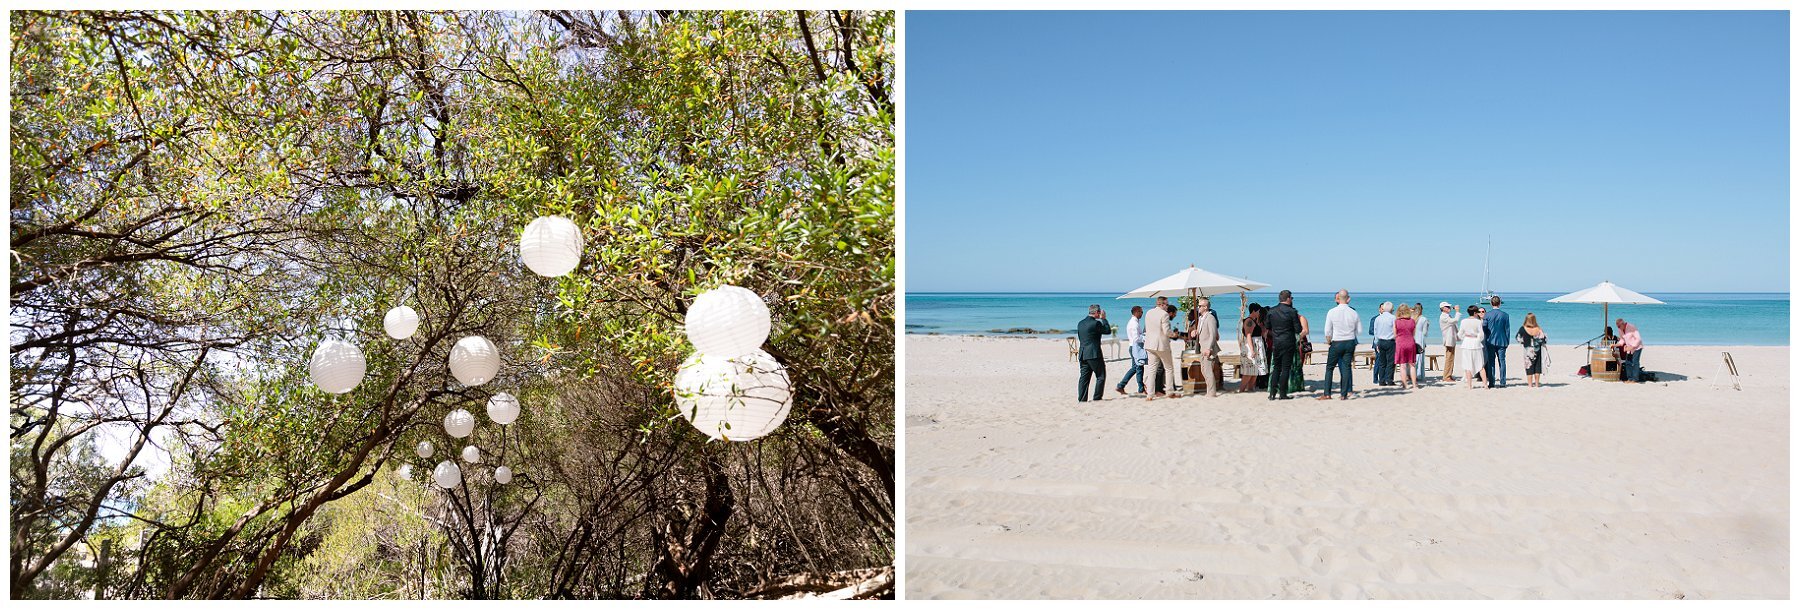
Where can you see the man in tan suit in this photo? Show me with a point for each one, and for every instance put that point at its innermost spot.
(1156, 344)
(1206, 343)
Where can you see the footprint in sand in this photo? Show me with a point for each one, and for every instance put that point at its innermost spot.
(1323, 561)
(1293, 588)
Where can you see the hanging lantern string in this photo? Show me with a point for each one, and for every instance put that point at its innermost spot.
(500, 455)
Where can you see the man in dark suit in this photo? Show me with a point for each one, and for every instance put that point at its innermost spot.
(1089, 332)
(1498, 331)
(1284, 328)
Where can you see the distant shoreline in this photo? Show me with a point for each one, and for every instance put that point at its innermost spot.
(1682, 319)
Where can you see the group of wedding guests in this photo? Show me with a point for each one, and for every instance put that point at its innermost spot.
(1274, 344)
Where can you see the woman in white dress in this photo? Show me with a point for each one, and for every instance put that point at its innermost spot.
(1468, 346)
(1256, 354)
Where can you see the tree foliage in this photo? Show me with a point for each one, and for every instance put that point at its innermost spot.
(199, 197)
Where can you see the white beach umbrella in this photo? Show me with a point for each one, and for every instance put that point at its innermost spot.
(1193, 281)
(1196, 282)
(1606, 294)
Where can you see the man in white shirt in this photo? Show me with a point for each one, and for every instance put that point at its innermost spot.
(1156, 347)
(1134, 335)
(1447, 325)
(1341, 328)
(1381, 329)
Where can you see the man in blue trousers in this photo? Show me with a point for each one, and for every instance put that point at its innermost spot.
(1493, 348)
(1341, 328)
(1134, 335)
(1381, 330)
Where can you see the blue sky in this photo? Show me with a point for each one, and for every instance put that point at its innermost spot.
(1077, 151)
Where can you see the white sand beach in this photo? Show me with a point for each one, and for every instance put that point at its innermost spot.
(1582, 489)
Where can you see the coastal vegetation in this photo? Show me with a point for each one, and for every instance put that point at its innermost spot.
(199, 198)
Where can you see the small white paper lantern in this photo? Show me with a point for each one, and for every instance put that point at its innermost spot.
(424, 449)
(734, 399)
(474, 360)
(404, 472)
(551, 246)
(727, 321)
(471, 455)
(337, 366)
(447, 474)
(459, 423)
(502, 475)
(503, 408)
(401, 322)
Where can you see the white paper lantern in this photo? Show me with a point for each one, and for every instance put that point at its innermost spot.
(404, 472)
(727, 321)
(503, 408)
(735, 399)
(447, 474)
(401, 322)
(337, 367)
(424, 449)
(459, 423)
(502, 475)
(474, 360)
(471, 455)
(551, 246)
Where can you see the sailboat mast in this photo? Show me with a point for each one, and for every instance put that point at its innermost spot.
(1484, 269)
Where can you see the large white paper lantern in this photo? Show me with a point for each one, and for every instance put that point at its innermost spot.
(502, 475)
(404, 472)
(551, 246)
(424, 449)
(401, 322)
(337, 366)
(471, 455)
(727, 321)
(736, 399)
(503, 408)
(447, 474)
(474, 360)
(459, 423)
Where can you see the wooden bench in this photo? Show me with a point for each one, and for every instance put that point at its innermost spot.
(1360, 359)
(1367, 360)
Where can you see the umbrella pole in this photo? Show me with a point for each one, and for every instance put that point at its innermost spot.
(1243, 312)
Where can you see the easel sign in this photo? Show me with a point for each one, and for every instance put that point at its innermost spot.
(1729, 366)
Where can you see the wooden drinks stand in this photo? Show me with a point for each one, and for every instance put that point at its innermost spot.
(1603, 365)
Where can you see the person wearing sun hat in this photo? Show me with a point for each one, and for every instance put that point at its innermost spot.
(1447, 319)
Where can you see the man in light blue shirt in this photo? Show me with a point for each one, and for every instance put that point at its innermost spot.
(1381, 328)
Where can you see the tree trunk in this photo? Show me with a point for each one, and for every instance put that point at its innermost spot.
(687, 560)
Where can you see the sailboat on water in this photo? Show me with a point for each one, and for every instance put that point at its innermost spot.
(1486, 293)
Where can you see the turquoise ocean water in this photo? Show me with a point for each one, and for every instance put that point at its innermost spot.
(1686, 319)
